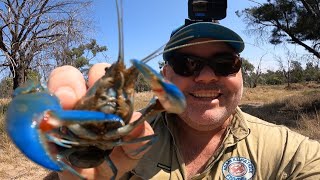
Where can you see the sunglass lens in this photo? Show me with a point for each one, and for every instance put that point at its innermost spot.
(184, 65)
(179, 67)
(222, 65)
(226, 65)
(193, 65)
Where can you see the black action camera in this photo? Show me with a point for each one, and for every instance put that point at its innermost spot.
(207, 10)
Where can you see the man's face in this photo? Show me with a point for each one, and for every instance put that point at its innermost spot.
(211, 99)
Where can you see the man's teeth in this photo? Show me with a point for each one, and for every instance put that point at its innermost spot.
(206, 95)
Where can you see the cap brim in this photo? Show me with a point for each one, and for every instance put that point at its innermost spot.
(205, 30)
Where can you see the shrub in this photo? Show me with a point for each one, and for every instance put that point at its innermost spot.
(141, 84)
(6, 86)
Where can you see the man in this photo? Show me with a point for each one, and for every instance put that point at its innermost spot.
(212, 138)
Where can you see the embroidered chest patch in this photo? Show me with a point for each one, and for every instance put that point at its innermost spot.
(238, 168)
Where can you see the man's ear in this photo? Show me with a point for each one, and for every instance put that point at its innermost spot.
(164, 70)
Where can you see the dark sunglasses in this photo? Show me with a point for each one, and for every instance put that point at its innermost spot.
(223, 64)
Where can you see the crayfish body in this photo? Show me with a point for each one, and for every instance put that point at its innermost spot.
(85, 136)
(33, 120)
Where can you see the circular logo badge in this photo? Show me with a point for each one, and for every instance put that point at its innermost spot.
(238, 168)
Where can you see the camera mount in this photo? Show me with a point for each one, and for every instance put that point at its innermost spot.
(206, 10)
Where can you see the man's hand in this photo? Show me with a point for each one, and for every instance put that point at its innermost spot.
(69, 85)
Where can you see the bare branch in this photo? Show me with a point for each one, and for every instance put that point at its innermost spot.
(31, 27)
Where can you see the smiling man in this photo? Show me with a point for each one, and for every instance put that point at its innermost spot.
(212, 138)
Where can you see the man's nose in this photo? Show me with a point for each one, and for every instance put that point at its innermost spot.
(206, 75)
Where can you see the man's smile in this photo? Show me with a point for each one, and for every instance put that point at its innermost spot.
(206, 94)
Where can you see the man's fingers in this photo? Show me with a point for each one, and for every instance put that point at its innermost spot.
(140, 131)
(96, 72)
(68, 84)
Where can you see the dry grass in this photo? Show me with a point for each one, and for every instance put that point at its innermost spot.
(13, 164)
(297, 107)
(310, 124)
(5, 142)
(142, 99)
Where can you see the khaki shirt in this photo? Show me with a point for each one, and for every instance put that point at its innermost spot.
(252, 149)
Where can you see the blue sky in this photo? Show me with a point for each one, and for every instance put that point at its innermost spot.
(148, 24)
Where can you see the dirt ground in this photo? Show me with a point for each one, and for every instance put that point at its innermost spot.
(23, 169)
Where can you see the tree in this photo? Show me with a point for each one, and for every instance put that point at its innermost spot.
(273, 78)
(312, 72)
(287, 67)
(80, 56)
(141, 84)
(6, 87)
(247, 68)
(251, 77)
(293, 21)
(28, 28)
(296, 72)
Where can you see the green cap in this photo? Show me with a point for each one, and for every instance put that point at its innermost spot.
(197, 30)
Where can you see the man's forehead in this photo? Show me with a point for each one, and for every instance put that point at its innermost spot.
(207, 46)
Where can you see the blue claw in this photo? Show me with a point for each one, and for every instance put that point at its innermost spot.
(27, 111)
(22, 117)
(171, 98)
(79, 116)
(29, 87)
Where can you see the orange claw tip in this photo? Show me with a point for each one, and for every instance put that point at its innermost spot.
(48, 122)
(158, 90)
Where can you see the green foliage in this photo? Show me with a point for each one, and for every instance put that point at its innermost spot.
(78, 56)
(247, 70)
(33, 75)
(247, 66)
(6, 84)
(250, 77)
(293, 21)
(6, 87)
(312, 73)
(288, 17)
(81, 62)
(297, 74)
(273, 78)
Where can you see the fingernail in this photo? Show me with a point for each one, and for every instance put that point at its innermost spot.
(67, 97)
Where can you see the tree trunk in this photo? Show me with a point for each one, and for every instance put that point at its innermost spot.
(288, 80)
(19, 77)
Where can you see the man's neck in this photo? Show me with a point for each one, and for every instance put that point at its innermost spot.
(197, 147)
